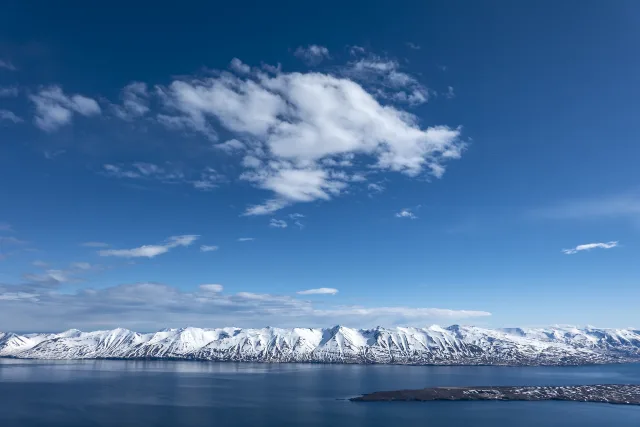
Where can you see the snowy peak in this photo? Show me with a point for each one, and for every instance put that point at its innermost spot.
(339, 344)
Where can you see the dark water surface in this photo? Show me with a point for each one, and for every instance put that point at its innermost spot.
(184, 394)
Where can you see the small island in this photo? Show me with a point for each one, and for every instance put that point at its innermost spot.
(602, 393)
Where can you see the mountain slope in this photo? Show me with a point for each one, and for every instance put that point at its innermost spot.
(455, 345)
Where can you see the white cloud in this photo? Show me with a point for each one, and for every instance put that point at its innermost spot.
(413, 46)
(230, 146)
(215, 288)
(406, 213)
(95, 245)
(312, 54)
(8, 91)
(356, 50)
(18, 296)
(10, 116)
(296, 215)
(239, 67)
(319, 291)
(155, 306)
(7, 65)
(55, 109)
(299, 131)
(277, 223)
(151, 251)
(375, 187)
(245, 239)
(589, 246)
(135, 101)
(209, 248)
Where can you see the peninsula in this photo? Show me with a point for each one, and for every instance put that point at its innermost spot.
(623, 394)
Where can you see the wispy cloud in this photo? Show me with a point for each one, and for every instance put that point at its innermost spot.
(621, 205)
(450, 93)
(413, 46)
(10, 116)
(206, 179)
(5, 227)
(151, 251)
(230, 146)
(40, 264)
(312, 54)
(54, 108)
(589, 246)
(277, 223)
(7, 65)
(246, 239)
(95, 245)
(319, 291)
(8, 91)
(406, 213)
(209, 248)
(41, 307)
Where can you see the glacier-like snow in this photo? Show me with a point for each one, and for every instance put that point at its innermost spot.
(454, 345)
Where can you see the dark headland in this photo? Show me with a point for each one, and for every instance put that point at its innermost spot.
(602, 393)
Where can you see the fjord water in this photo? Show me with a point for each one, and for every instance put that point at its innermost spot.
(171, 393)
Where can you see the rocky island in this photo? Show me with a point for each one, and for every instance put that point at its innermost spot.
(601, 393)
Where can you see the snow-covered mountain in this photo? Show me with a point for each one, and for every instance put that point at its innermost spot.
(454, 345)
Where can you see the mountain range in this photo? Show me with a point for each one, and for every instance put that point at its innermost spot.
(453, 345)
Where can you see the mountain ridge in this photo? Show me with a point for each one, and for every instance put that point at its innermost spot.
(433, 345)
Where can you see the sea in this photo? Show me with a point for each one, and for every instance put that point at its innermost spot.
(119, 393)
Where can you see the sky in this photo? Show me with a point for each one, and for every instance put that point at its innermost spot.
(284, 164)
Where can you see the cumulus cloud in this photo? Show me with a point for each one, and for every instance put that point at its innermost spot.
(135, 101)
(151, 251)
(406, 213)
(589, 246)
(55, 109)
(318, 291)
(303, 127)
(155, 306)
(239, 67)
(277, 223)
(10, 116)
(312, 54)
(209, 248)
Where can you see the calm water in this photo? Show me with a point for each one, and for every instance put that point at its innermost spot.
(182, 394)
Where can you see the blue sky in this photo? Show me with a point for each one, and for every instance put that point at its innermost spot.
(416, 164)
